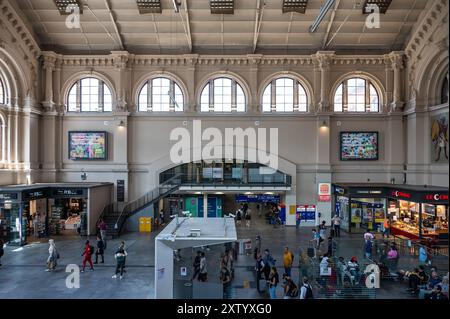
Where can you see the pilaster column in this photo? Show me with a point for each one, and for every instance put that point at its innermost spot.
(49, 60)
(191, 60)
(389, 82)
(121, 59)
(397, 65)
(324, 60)
(254, 60)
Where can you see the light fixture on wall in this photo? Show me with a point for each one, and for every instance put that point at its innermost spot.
(121, 124)
(83, 175)
(324, 124)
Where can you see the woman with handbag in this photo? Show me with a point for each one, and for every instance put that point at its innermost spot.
(53, 256)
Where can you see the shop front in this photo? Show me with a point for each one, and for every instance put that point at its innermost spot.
(414, 212)
(419, 215)
(360, 208)
(31, 212)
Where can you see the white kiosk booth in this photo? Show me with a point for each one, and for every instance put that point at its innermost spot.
(186, 233)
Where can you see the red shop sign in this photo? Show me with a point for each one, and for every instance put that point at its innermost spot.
(436, 197)
(401, 194)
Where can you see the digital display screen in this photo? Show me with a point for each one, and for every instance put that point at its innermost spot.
(88, 145)
(359, 146)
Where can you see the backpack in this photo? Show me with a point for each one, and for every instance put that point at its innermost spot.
(293, 292)
(91, 250)
(309, 292)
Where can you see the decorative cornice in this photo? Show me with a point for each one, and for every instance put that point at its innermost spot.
(431, 21)
(122, 60)
(11, 19)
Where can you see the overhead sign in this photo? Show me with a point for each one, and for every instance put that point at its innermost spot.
(435, 197)
(264, 198)
(400, 194)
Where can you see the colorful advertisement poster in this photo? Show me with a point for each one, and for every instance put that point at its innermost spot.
(359, 146)
(87, 145)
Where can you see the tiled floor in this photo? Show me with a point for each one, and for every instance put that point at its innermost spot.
(23, 272)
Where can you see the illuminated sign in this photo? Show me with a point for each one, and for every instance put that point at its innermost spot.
(400, 194)
(436, 197)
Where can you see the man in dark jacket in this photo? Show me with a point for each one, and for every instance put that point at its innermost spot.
(100, 250)
(196, 265)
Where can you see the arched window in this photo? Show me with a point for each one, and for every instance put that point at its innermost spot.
(161, 95)
(2, 92)
(223, 95)
(89, 95)
(356, 95)
(444, 91)
(285, 95)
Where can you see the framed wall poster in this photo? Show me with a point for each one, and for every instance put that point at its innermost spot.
(439, 138)
(88, 145)
(359, 146)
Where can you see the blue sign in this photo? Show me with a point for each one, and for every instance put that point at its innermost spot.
(258, 198)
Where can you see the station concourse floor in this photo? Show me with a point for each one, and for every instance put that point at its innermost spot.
(23, 276)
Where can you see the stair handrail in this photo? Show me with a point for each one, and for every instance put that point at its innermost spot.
(144, 199)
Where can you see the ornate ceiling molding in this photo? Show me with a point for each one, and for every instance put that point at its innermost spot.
(19, 32)
(130, 60)
(423, 33)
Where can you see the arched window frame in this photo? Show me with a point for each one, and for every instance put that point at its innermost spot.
(370, 90)
(299, 90)
(174, 86)
(78, 93)
(2, 138)
(444, 90)
(2, 92)
(208, 96)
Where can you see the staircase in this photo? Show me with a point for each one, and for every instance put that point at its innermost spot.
(115, 218)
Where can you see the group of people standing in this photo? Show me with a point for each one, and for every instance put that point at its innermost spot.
(266, 266)
(243, 213)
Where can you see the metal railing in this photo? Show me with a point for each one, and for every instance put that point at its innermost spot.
(276, 179)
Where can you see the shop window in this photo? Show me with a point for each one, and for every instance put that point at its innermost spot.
(161, 95)
(356, 95)
(285, 95)
(223, 95)
(444, 92)
(89, 95)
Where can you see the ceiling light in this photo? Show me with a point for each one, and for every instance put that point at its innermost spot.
(149, 6)
(222, 6)
(383, 5)
(298, 6)
(63, 4)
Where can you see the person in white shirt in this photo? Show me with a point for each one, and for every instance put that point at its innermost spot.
(336, 225)
(368, 235)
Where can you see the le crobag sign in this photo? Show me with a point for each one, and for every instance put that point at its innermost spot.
(324, 192)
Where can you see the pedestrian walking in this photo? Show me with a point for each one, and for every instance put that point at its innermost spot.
(87, 253)
(273, 281)
(306, 290)
(336, 225)
(196, 265)
(2, 250)
(120, 259)
(103, 227)
(288, 260)
(100, 250)
(225, 279)
(203, 275)
(248, 218)
(53, 255)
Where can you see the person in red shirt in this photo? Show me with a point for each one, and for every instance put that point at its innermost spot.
(87, 256)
